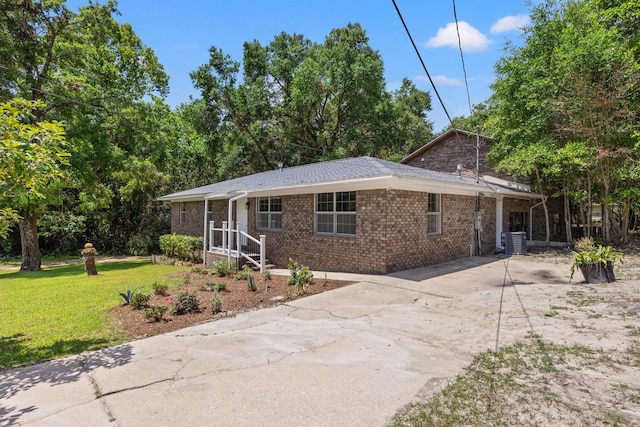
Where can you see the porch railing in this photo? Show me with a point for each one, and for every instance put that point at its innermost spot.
(242, 244)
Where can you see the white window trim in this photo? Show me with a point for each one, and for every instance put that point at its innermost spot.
(436, 214)
(335, 216)
(269, 214)
(183, 213)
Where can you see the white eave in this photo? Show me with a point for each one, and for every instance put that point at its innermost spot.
(391, 181)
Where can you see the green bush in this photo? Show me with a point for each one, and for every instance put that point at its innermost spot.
(216, 303)
(224, 268)
(185, 248)
(300, 277)
(160, 288)
(155, 313)
(186, 302)
(267, 275)
(139, 301)
(139, 244)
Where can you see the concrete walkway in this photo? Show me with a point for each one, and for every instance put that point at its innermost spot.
(347, 357)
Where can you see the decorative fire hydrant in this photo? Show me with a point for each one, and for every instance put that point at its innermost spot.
(89, 257)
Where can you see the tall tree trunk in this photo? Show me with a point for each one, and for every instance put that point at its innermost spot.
(31, 258)
(567, 214)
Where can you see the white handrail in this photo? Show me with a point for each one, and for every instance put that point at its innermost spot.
(228, 236)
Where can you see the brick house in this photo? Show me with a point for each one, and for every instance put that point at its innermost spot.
(363, 215)
(469, 151)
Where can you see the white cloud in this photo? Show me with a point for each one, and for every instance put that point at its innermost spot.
(510, 23)
(440, 79)
(472, 40)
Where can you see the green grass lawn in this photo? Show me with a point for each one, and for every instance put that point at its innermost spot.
(61, 311)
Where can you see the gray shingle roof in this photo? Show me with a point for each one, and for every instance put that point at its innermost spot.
(322, 172)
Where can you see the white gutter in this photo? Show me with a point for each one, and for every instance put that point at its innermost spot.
(229, 220)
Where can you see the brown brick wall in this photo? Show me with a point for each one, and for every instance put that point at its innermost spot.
(297, 239)
(446, 155)
(194, 223)
(391, 233)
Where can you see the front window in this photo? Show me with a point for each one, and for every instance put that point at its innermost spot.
(183, 213)
(269, 215)
(336, 213)
(434, 214)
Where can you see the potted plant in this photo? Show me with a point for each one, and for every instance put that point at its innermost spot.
(595, 262)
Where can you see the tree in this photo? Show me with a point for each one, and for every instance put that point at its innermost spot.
(32, 157)
(573, 84)
(97, 76)
(299, 101)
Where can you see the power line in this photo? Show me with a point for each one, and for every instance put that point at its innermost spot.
(464, 69)
(423, 65)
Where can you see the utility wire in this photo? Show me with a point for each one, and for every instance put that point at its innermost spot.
(464, 69)
(423, 65)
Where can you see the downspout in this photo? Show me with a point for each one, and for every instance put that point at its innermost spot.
(229, 221)
(531, 218)
(204, 240)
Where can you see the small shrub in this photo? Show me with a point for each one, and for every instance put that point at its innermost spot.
(160, 288)
(251, 284)
(216, 303)
(128, 294)
(300, 277)
(186, 279)
(155, 313)
(213, 286)
(224, 268)
(244, 273)
(185, 302)
(267, 275)
(139, 301)
(196, 270)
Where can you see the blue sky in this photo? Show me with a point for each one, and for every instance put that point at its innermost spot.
(182, 31)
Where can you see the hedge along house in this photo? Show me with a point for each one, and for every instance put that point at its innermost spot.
(468, 151)
(363, 215)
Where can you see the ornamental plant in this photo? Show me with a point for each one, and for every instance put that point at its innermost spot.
(185, 302)
(588, 252)
(215, 303)
(155, 313)
(301, 277)
(128, 294)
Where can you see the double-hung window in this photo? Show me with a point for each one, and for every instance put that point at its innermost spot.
(183, 213)
(336, 213)
(434, 214)
(269, 215)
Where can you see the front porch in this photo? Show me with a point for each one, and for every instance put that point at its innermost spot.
(229, 242)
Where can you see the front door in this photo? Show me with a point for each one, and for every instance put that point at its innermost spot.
(242, 218)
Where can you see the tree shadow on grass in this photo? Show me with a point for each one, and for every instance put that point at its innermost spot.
(54, 372)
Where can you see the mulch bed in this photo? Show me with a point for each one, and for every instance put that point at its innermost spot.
(236, 298)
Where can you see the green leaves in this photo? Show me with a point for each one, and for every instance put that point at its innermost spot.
(300, 101)
(32, 156)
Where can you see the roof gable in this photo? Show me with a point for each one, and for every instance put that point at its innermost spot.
(451, 133)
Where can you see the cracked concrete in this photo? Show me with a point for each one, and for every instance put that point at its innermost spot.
(351, 356)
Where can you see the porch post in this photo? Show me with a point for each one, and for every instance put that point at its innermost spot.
(263, 252)
(229, 223)
(499, 207)
(225, 230)
(211, 235)
(204, 239)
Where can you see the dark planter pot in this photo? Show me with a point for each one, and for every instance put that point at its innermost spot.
(598, 272)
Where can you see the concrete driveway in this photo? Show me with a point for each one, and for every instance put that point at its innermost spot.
(348, 357)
